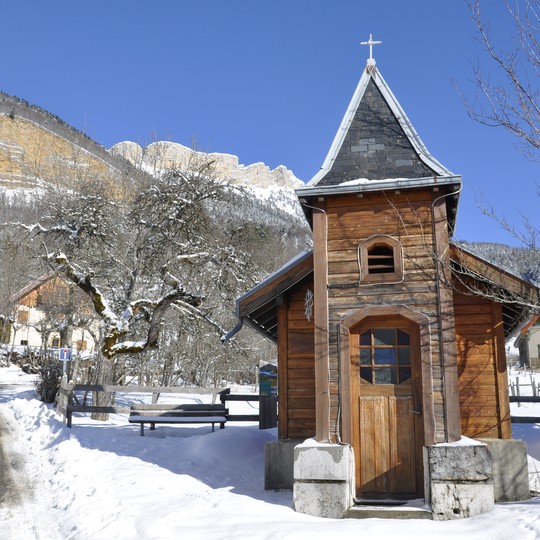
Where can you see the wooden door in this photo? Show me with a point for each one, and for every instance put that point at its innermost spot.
(386, 410)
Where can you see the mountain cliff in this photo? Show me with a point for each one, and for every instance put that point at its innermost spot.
(37, 146)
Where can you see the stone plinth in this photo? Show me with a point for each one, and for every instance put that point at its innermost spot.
(460, 480)
(323, 479)
(510, 469)
(279, 464)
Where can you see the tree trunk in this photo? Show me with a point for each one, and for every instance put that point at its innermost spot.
(104, 374)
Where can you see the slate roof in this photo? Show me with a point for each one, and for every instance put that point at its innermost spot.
(376, 140)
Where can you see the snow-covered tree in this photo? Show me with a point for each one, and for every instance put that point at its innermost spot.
(138, 253)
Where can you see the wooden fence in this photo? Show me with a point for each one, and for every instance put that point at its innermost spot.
(525, 382)
(516, 397)
(68, 403)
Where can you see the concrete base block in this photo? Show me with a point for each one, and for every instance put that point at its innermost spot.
(510, 472)
(460, 482)
(279, 464)
(323, 479)
(456, 500)
(329, 500)
(462, 463)
(321, 461)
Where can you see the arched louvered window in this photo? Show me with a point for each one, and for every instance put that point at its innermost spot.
(380, 259)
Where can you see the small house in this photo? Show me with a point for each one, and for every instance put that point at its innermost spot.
(390, 337)
(50, 313)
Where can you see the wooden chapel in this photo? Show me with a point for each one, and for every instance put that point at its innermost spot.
(390, 337)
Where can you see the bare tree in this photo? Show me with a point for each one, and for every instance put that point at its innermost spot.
(511, 99)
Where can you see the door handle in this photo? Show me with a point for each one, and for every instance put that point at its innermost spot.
(415, 411)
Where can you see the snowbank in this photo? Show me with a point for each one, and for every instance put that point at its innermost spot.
(104, 481)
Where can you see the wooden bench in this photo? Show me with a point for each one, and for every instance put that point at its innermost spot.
(190, 413)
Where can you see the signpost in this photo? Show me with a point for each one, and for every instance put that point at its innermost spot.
(64, 354)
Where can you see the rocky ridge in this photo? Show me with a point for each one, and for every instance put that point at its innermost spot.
(163, 155)
(37, 146)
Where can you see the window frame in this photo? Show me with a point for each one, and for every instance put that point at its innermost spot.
(397, 366)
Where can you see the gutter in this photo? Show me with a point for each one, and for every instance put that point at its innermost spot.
(377, 185)
(231, 333)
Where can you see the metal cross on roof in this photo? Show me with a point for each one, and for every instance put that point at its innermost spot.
(370, 42)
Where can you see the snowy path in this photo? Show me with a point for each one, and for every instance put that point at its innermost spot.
(22, 512)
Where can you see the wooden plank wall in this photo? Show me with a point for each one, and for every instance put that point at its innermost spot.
(52, 291)
(408, 217)
(297, 390)
(481, 367)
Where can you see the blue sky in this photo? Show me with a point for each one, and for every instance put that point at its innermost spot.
(267, 81)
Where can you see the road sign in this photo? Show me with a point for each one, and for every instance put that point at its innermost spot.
(64, 354)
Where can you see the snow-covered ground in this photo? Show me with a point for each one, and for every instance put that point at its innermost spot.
(103, 481)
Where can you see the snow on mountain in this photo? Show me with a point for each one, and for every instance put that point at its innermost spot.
(164, 155)
(273, 187)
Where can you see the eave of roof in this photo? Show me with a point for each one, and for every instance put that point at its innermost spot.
(276, 283)
(489, 271)
(388, 184)
(258, 306)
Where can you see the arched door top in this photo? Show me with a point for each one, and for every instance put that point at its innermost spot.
(406, 312)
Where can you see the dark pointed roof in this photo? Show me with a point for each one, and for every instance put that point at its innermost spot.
(376, 140)
(377, 149)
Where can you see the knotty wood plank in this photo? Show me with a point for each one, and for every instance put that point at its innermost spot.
(373, 460)
(402, 473)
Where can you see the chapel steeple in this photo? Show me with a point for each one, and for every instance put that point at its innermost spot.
(376, 140)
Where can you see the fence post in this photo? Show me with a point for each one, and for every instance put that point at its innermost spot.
(267, 412)
(223, 395)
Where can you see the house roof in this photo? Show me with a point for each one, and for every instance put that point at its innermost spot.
(518, 297)
(32, 286)
(522, 335)
(258, 307)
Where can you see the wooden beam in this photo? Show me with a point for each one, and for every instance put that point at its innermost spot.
(320, 316)
(447, 335)
(283, 361)
(505, 425)
(345, 384)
